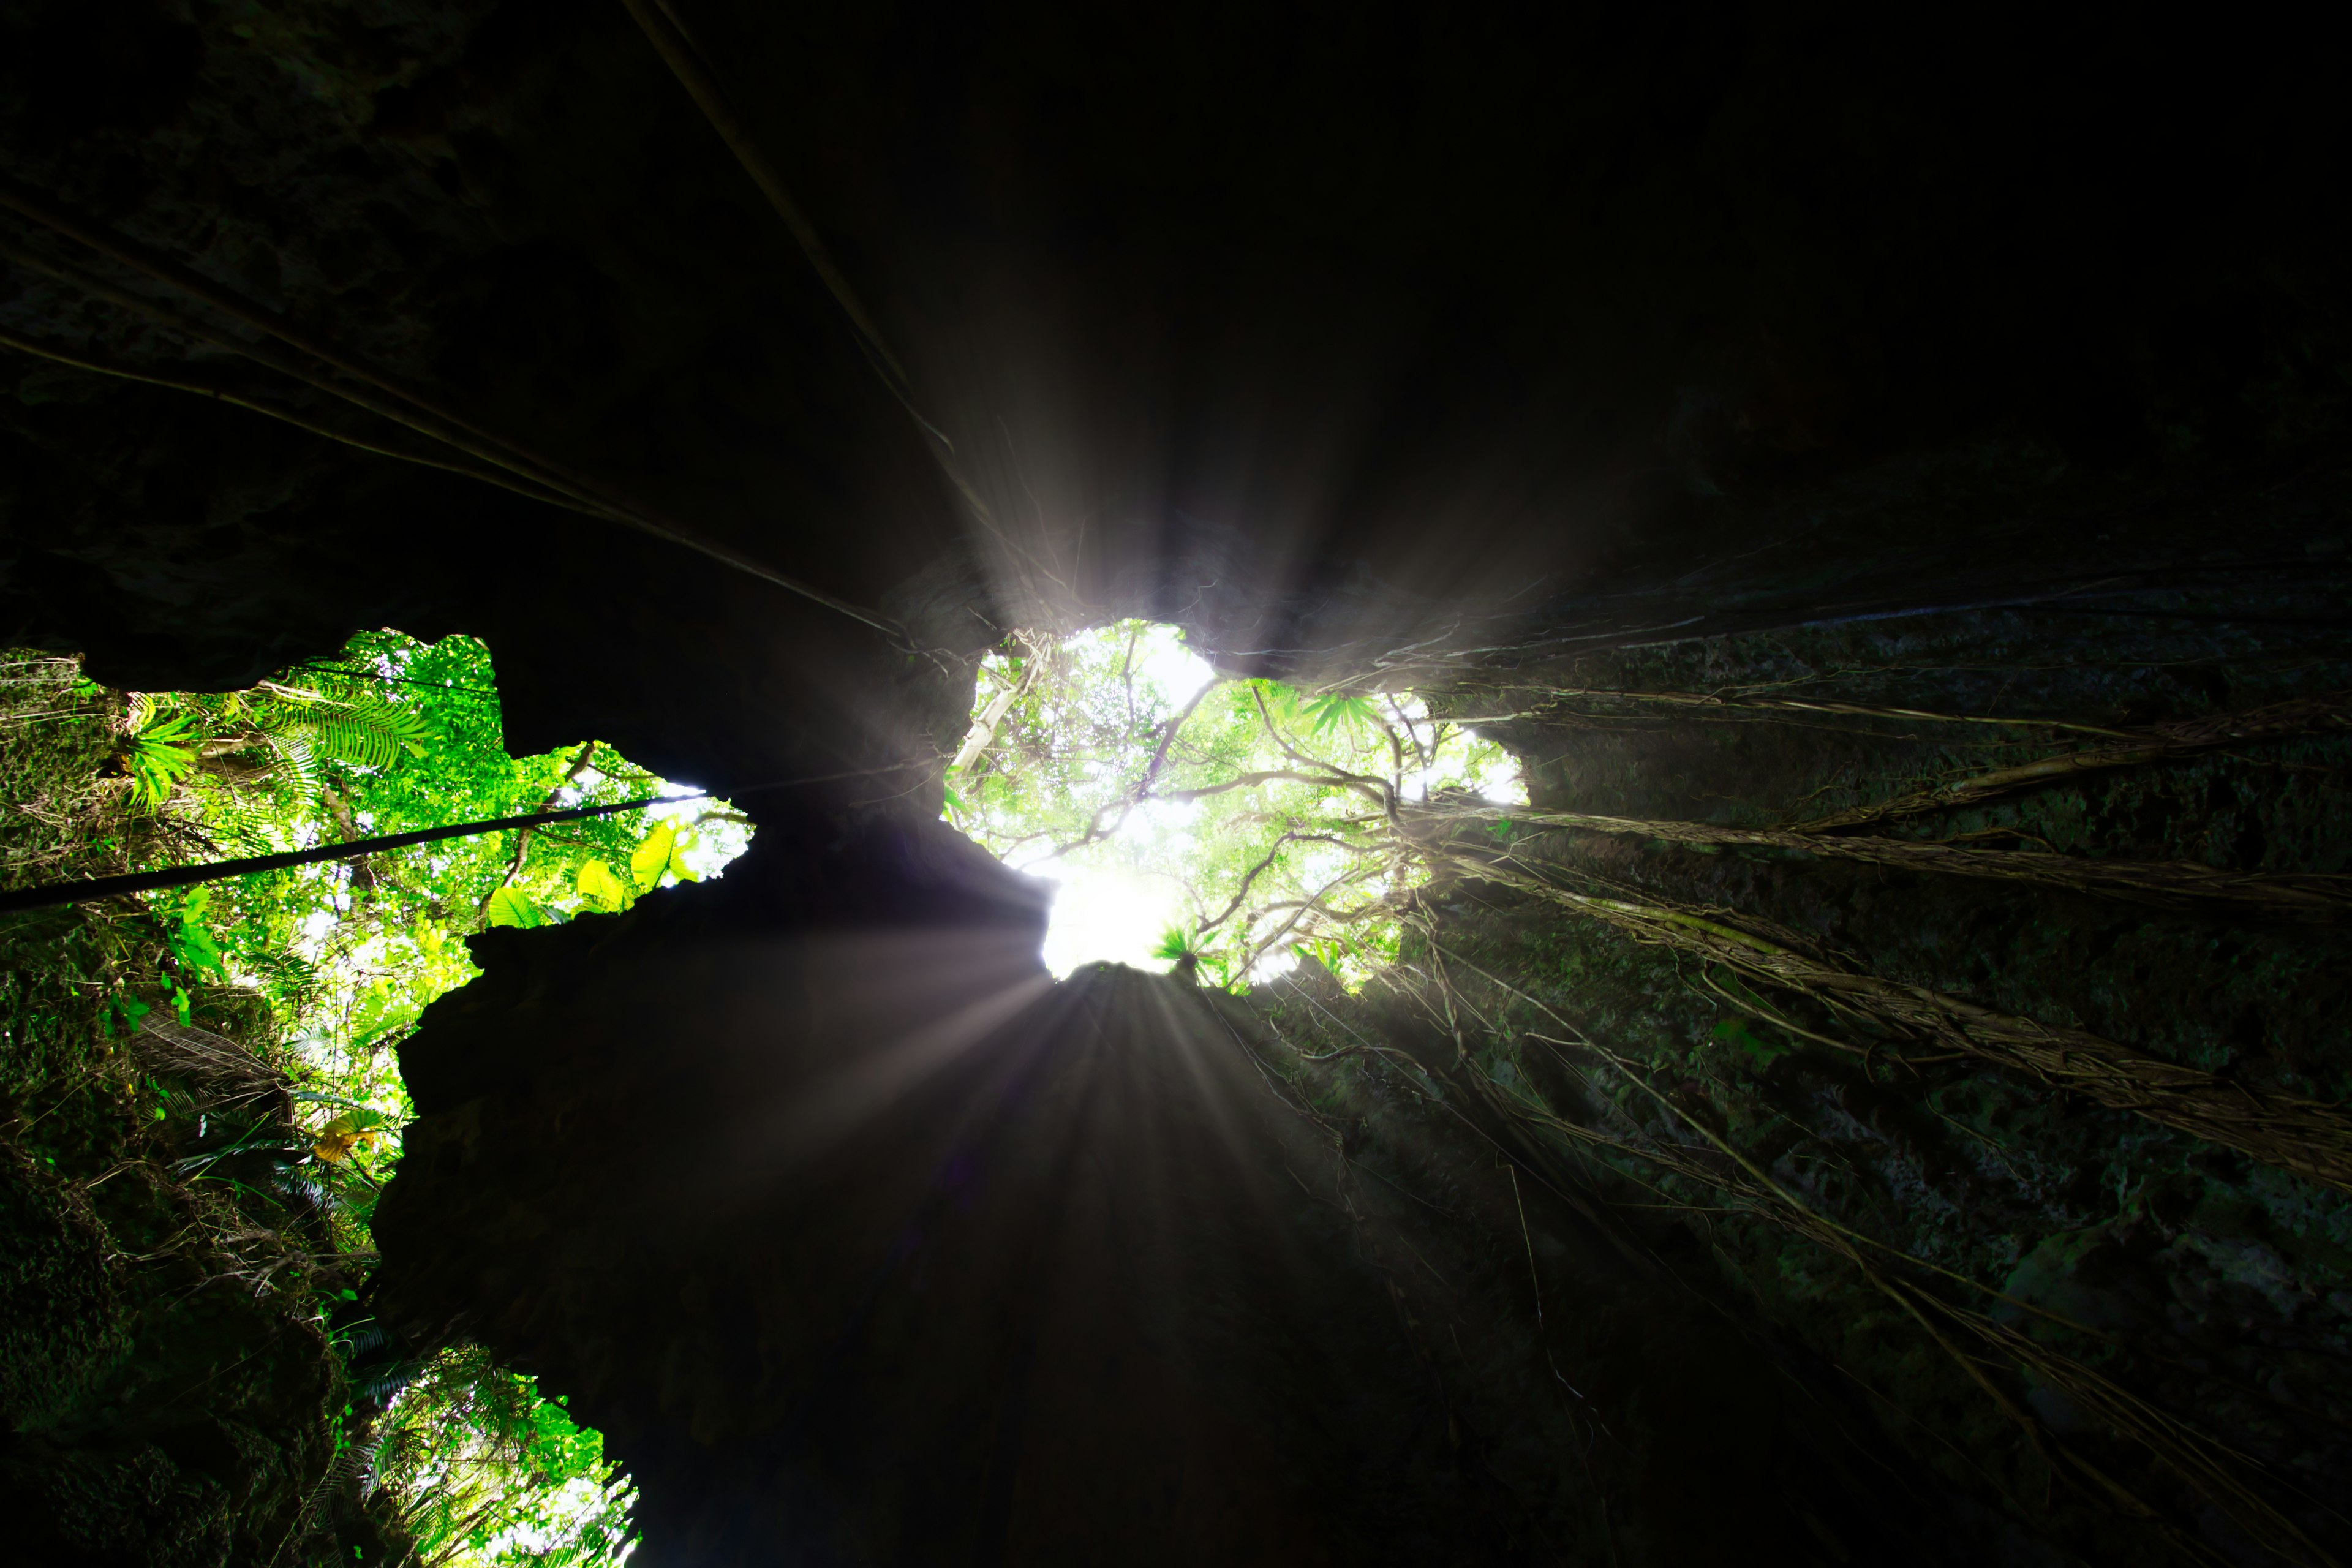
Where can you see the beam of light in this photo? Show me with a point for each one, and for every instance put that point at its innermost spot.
(893, 1011)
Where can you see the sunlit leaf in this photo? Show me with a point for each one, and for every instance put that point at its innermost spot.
(160, 755)
(363, 729)
(193, 947)
(1176, 942)
(599, 887)
(1324, 714)
(512, 907)
(352, 1130)
(652, 857)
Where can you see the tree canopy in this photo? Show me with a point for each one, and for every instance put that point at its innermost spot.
(1224, 825)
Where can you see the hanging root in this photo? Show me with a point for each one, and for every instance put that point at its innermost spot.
(2311, 1138)
(2171, 884)
(2302, 716)
(1556, 705)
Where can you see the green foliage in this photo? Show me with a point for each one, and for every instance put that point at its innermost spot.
(361, 728)
(1324, 714)
(512, 907)
(191, 940)
(331, 965)
(1265, 810)
(491, 1473)
(600, 887)
(399, 735)
(1740, 1034)
(663, 854)
(160, 754)
(1177, 942)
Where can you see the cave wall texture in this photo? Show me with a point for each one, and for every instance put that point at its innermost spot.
(1991, 365)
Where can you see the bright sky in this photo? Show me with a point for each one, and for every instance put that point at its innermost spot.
(1106, 915)
(1103, 912)
(715, 843)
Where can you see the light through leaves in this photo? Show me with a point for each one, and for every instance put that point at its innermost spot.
(1228, 825)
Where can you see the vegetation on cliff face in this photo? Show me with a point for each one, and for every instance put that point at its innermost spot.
(204, 1102)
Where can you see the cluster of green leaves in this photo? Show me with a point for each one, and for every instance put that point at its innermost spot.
(392, 736)
(453, 1447)
(1270, 810)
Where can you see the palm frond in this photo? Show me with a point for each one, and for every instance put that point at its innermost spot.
(297, 770)
(160, 755)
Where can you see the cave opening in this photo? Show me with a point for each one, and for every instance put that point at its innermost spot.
(1225, 825)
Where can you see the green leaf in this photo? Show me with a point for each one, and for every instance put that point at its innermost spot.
(157, 761)
(178, 727)
(678, 869)
(512, 907)
(1760, 1050)
(599, 887)
(1329, 713)
(1174, 943)
(194, 946)
(364, 730)
(653, 857)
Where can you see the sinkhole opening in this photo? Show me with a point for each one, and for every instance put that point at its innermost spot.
(1226, 826)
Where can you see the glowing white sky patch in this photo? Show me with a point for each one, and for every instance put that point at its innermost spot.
(1177, 671)
(1281, 961)
(1499, 781)
(1107, 916)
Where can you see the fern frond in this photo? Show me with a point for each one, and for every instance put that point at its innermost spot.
(360, 728)
(237, 821)
(297, 770)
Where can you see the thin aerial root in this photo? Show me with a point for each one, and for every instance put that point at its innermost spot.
(2311, 1138)
(2301, 716)
(2166, 883)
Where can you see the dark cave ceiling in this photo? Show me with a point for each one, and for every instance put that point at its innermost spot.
(1226, 313)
